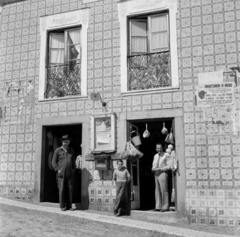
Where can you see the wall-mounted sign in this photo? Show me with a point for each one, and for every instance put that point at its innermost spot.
(215, 94)
(102, 164)
(103, 133)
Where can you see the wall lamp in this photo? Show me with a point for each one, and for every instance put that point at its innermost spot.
(96, 97)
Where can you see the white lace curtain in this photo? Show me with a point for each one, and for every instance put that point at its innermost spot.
(56, 48)
(139, 37)
(159, 32)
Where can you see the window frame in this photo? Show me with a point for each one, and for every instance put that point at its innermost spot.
(65, 30)
(48, 48)
(51, 23)
(149, 33)
(130, 36)
(131, 9)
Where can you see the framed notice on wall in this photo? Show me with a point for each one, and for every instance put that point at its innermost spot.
(103, 133)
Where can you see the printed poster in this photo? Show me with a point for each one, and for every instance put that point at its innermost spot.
(236, 120)
(215, 94)
(218, 114)
(219, 129)
(104, 137)
(103, 133)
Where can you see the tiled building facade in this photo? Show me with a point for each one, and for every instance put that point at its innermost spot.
(207, 35)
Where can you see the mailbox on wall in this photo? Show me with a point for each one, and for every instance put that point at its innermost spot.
(102, 163)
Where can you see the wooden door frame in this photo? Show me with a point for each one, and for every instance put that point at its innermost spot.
(129, 124)
(177, 115)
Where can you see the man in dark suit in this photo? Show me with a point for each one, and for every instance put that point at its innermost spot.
(64, 164)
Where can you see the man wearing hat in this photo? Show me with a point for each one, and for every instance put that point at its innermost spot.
(63, 163)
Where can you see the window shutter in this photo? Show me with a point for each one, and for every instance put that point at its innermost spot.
(56, 48)
(159, 33)
(138, 36)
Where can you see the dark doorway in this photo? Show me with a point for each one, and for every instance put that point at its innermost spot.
(52, 140)
(147, 181)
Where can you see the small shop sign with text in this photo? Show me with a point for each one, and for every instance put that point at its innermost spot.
(102, 164)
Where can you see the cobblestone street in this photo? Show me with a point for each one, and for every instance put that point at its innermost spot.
(29, 220)
(18, 222)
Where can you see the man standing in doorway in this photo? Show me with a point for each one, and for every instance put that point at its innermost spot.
(160, 169)
(64, 164)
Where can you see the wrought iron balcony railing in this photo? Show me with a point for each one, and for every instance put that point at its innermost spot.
(149, 71)
(63, 80)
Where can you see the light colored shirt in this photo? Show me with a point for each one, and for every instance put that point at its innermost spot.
(121, 175)
(161, 161)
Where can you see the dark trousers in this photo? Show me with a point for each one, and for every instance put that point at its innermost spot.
(65, 187)
(121, 198)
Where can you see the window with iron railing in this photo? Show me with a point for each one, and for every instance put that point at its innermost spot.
(149, 52)
(63, 69)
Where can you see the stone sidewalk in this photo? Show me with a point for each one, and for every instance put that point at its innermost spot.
(113, 220)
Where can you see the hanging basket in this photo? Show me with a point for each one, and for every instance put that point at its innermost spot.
(136, 140)
(131, 153)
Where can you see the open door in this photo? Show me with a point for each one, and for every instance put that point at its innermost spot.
(134, 171)
(51, 142)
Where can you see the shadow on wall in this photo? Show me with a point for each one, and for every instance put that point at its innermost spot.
(87, 178)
